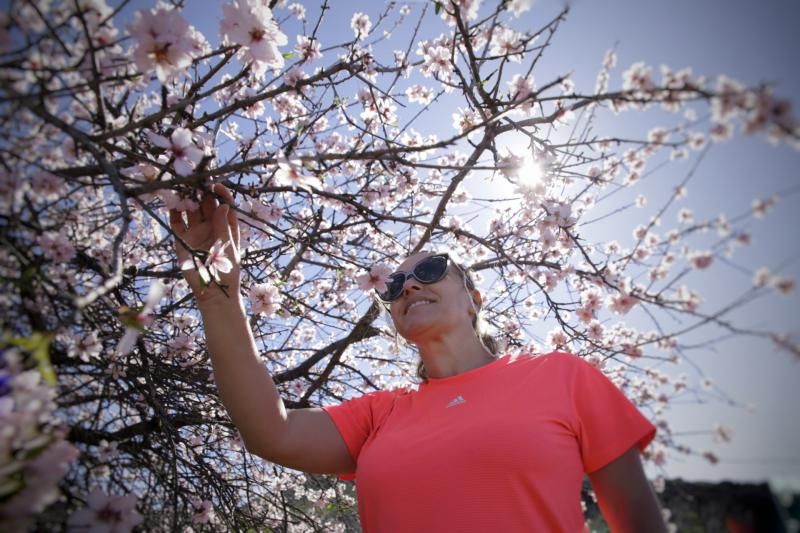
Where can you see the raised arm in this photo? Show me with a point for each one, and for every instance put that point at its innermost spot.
(304, 439)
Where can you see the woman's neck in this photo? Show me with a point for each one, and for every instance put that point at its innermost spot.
(449, 357)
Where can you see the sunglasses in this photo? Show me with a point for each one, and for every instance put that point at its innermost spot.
(429, 270)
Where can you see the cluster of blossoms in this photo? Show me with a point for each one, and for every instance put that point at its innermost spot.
(34, 456)
(165, 42)
(249, 24)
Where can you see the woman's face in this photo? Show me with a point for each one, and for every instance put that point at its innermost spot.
(427, 311)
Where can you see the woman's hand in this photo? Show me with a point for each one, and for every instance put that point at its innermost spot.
(212, 227)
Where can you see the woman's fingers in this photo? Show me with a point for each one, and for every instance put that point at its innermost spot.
(178, 226)
(195, 217)
(208, 206)
(233, 220)
(222, 231)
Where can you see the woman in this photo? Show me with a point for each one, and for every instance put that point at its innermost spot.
(485, 444)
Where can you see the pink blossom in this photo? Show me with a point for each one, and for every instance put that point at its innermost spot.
(265, 299)
(294, 75)
(308, 48)
(47, 185)
(557, 339)
(419, 94)
(181, 147)
(722, 433)
(436, 62)
(361, 25)
(701, 260)
(298, 10)
(595, 330)
(711, 457)
(215, 263)
(203, 511)
(510, 165)
(762, 205)
(467, 8)
(520, 88)
(376, 278)
(86, 348)
(107, 513)
(761, 277)
(518, 7)
(164, 42)
(720, 131)
(181, 344)
(289, 173)
(621, 303)
(254, 110)
(41, 477)
(249, 23)
(638, 78)
(507, 43)
(784, 285)
(56, 247)
(137, 321)
(466, 119)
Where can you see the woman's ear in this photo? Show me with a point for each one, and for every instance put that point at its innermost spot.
(477, 299)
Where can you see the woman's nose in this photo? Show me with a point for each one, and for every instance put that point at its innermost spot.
(411, 284)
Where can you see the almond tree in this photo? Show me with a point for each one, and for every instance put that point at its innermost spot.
(114, 115)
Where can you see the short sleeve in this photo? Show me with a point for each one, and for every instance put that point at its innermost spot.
(607, 423)
(358, 419)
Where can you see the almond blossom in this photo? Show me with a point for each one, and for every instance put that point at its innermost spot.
(510, 165)
(468, 10)
(361, 25)
(419, 94)
(57, 247)
(107, 513)
(136, 321)
(621, 303)
(202, 511)
(518, 7)
(181, 147)
(376, 278)
(249, 23)
(265, 299)
(700, 260)
(520, 89)
(507, 43)
(164, 42)
(290, 173)
(308, 48)
(217, 262)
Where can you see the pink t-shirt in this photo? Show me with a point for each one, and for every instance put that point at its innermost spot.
(502, 447)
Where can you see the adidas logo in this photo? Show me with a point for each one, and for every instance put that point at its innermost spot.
(458, 400)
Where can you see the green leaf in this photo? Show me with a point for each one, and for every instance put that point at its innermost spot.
(437, 7)
(38, 345)
(288, 55)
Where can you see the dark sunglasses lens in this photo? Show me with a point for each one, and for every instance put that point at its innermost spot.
(393, 288)
(431, 269)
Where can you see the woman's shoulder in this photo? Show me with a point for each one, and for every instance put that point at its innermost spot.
(549, 362)
(550, 357)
